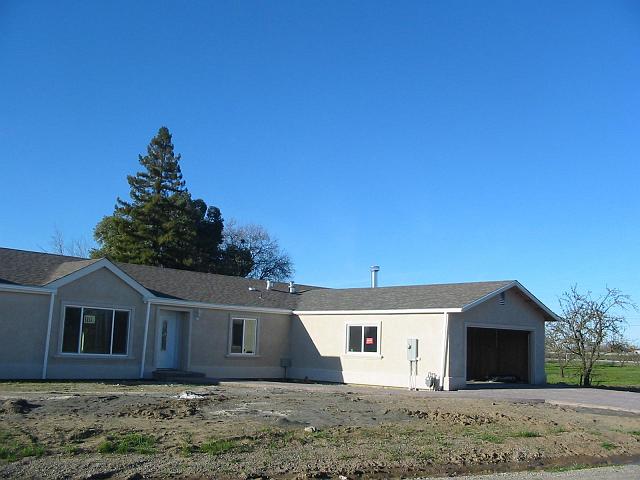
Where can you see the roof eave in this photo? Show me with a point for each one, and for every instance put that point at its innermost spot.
(397, 311)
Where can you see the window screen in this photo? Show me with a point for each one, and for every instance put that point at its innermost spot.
(244, 336)
(236, 336)
(355, 338)
(71, 336)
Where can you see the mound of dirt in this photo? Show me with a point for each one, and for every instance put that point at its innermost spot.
(19, 405)
(163, 410)
(454, 418)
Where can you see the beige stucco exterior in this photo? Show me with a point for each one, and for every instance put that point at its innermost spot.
(517, 313)
(203, 343)
(101, 288)
(318, 343)
(318, 348)
(23, 327)
(314, 343)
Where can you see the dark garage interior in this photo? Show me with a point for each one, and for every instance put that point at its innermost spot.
(497, 355)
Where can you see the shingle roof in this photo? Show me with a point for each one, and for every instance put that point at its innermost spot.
(38, 269)
(212, 288)
(35, 268)
(451, 295)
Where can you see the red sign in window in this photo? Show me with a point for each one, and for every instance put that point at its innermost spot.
(368, 341)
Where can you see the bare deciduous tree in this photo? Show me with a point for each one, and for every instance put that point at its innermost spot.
(269, 260)
(587, 322)
(556, 346)
(73, 248)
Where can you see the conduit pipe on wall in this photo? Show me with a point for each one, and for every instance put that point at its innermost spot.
(45, 362)
(144, 344)
(445, 348)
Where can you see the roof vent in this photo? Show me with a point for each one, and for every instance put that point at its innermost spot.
(501, 298)
(292, 287)
(268, 284)
(253, 289)
(374, 275)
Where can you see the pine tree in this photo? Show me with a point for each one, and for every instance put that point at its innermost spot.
(159, 225)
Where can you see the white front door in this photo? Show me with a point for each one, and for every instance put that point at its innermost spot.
(167, 339)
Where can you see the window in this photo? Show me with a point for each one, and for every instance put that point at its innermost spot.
(362, 339)
(95, 330)
(243, 336)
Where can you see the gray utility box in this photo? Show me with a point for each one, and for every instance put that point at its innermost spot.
(412, 349)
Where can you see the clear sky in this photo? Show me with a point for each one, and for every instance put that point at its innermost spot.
(444, 141)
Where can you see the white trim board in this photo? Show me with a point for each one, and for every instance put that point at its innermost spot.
(399, 311)
(215, 306)
(9, 287)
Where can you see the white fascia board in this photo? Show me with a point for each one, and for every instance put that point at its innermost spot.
(169, 302)
(520, 287)
(26, 289)
(399, 311)
(102, 263)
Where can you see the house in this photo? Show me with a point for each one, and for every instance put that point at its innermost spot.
(71, 318)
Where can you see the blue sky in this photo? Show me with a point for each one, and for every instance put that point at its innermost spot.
(445, 141)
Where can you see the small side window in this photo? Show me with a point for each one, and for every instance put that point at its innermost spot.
(362, 339)
(244, 336)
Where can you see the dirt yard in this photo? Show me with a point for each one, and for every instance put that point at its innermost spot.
(261, 429)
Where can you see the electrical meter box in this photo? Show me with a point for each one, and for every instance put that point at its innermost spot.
(412, 349)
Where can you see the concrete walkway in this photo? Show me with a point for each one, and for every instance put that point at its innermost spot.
(573, 397)
(626, 472)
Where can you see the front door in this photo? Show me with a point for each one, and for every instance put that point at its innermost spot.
(167, 340)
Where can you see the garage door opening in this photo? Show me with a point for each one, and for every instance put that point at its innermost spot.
(495, 354)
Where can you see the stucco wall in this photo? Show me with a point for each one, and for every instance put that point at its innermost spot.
(23, 329)
(97, 289)
(210, 345)
(318, 348)
(517, 313)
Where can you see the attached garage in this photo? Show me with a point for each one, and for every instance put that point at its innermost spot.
(498, 354)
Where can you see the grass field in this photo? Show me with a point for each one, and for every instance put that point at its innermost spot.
(604, 375)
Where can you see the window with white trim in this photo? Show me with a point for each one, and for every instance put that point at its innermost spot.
(101, 331)
(244, 336)
(363, 339)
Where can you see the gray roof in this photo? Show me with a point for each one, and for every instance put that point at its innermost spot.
(449, 295)
(38, 269)
(212, 288)
(21, 267)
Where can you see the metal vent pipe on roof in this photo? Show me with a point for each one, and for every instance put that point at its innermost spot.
(292, 287)
(374, 275)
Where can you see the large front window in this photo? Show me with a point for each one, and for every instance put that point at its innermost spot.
(244, 336)
(95, 331)
(362, 339)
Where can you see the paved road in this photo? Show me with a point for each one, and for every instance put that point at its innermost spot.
(627, 472)
(574, 397)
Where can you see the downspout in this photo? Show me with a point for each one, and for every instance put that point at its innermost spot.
(45, 363)
(445, 347)
(144, 344)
